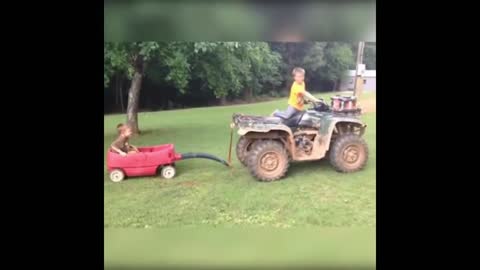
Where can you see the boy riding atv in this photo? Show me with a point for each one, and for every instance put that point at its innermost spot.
(267, 145)
(297, 95)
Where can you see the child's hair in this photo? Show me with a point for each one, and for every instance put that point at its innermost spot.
(121, 127)
(298, 70)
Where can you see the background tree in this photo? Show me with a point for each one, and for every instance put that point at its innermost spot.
(185, 74)
(132, 59)
(338, 59)
(265, 67)
(235, 68)
(129, 58)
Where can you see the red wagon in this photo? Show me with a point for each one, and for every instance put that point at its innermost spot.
(149, 161)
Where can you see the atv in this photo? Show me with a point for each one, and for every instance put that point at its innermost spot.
(267, 145)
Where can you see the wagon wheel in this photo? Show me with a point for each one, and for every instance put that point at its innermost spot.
(117, 175)
(168, 172)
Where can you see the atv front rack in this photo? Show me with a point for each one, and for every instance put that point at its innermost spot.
(352, 112)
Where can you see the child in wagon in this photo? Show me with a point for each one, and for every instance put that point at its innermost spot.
(121, 145)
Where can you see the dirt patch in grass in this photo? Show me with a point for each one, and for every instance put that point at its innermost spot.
(368, 105)
(189, 184)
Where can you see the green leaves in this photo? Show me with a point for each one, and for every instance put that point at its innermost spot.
(315, 57)
(120, 57)
(146, 49)
(339, 57)
(179, 70)
(230, 68)
(115, 59)
(204, 47)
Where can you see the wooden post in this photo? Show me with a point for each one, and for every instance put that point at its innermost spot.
(356, 88)
(232, 126)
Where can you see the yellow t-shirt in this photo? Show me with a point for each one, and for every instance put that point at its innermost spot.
(296, 95)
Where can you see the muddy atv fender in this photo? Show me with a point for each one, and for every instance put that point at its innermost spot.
(331, 125)
(274, 132)
(263, 129)
(270, 146)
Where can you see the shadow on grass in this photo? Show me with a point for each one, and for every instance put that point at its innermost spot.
(310, 166)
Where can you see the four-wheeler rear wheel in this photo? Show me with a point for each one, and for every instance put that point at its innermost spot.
(168, 172)
(267, 160)
(349, 153)
(242, 149)
(117, 175)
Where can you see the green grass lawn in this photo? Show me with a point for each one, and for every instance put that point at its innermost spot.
(205, 193)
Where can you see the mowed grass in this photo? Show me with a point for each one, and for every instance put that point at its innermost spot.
(205, 193)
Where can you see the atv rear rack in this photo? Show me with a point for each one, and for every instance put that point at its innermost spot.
(238, 117)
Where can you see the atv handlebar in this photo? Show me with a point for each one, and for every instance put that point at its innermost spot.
(316, 103)
(320, 105)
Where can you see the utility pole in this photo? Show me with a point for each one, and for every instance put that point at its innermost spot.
(361, 46)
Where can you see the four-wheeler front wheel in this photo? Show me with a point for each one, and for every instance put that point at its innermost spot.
(349, 153)
(168, 172)
(267, 160)
(117, 175)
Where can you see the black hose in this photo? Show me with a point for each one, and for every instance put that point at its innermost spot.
(204, 155)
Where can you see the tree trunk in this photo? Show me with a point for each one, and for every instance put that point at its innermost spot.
(133, 100)
(248, 94)
(116, 91)
(223, 101)
(134, 94)
(121, 94)
(335, 85)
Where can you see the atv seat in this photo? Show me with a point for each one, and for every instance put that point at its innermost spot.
(293, 121)
(272, 120)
